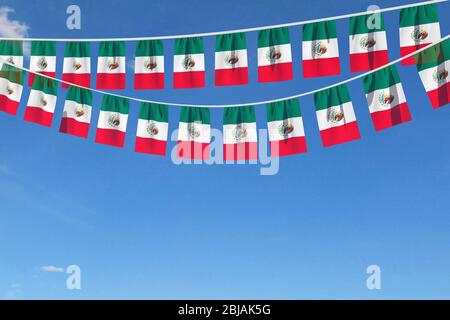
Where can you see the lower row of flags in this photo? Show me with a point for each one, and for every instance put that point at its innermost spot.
(334, 110)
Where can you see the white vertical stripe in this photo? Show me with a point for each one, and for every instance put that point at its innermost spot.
(430, 77)
(196, 132)
(36, 63)
(77, 111)
(223, 59)
(39, 99)
(231, 134)
(320, 49)
(378, 100)
(179, 62)
(276, 129)
(149, 64)
(105, 120)
(7, 86)
(70, 64)
(431, 33)
(264, 55)
(111, 65)
(377, 42)
(325, 116)
(145, 127)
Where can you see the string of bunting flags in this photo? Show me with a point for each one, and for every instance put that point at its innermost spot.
(420, 42)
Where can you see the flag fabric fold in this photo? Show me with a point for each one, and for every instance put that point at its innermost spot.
(274, 55)
(231, 60)
(320, 50)
(419, 27)
(433, 65)
(42, 101)
(12, 52)
(77, 112)
(42, 59)
(111, 65)
(77, 64)
(368, 42)
(194, 134)
(152, 129)
(387, 102)
(286, 131)
(11, 88)
(240, 137)
(335, 116)
(189, 63)
(149, 65)
(112, 121)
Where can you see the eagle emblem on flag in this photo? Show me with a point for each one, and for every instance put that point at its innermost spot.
(114, 120)
(9, 89)
(239, 133)
(440, 76)
(152, 128)
(231, 59)
(285, 128)
(193, 131)
(44, 101)
(79, 110)
(273, 54)
(10, 60)
(385, 98)
(319, 48)
(367, 42)
(335, 115)
(113, 64)
(77, 65)
(42, 63)
(188, 63)
(150, 63)
(419, 35)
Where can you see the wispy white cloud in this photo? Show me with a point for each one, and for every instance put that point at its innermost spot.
(13, 28)
(52, 269)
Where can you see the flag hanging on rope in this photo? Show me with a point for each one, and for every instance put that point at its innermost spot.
(189, 63)
(286, 132)
(240, 137)
(42, 101)
(112, 121)
(335, 116)
(231, 60)
(419, 27)
(433, 65)
(77, 112)
(386, 98)
(194, 134)
(11, 87)
(368, 43)
(274, 55)
(111, 65)
(149, 65)
(12, 52)
(77, 64)
(42, 59)
(152, 129)
(320, 50)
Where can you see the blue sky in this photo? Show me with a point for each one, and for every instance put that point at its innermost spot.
(141, 227)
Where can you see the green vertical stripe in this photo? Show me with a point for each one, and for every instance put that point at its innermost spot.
(334, 96)
(79, 95)
(149, 48)
(153, 111)
(367, 24)
(77, 49)
(418, 15)
(319, 31)
(273, 37)
(236, 115)
(381, 79)
(111, 49)
(115, 104)
(11, 48)
(433, 56)
(43, 48)
(230, 42)
(46, 85)
(189, 46)
(12, 74)
(189, 114)
(282, 110)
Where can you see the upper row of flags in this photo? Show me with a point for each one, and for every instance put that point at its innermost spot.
(334, 111)
(419, 27)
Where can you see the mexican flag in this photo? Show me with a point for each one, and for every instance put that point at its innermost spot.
(274, 55)
(240, 137)
(419, 27)
(189, 63)
(386, 99)
(77, 64)
(12, 52)
(368, 43)
(286, 132)
(42, 101)
(77, 112)
(231, 60)
(42, 59)
(111, 65)
(149, 65)
(335, 116)
(152, 129)
(320, 50)
(433, 65)
(112, 121)
(194, 133)
(11, 87)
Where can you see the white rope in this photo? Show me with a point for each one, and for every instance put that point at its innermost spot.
(232, 105)
(292, 24)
